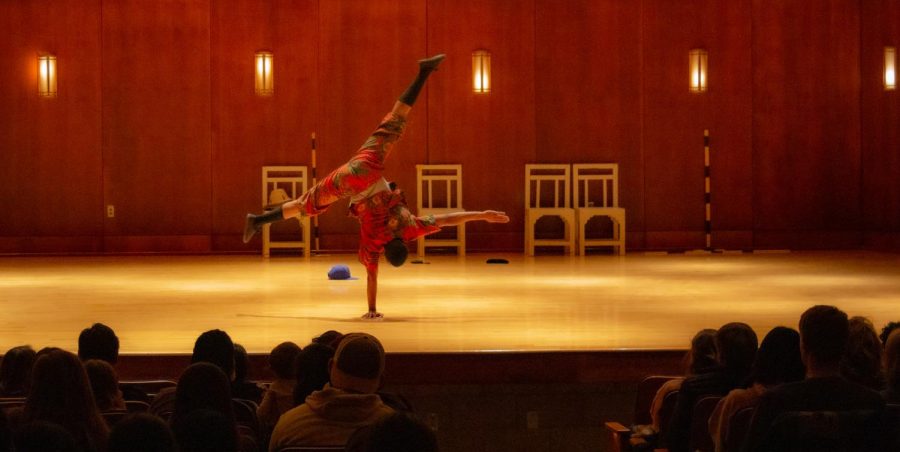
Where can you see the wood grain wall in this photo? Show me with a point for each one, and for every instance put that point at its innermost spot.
(156, 114)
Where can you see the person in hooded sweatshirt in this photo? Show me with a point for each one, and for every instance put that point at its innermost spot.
(330, 416)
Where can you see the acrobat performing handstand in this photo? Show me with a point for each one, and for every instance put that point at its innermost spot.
(385, 221)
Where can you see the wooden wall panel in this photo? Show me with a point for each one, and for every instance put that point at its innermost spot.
(491, 134)
(50, 147)
(674, 119)
(806, 115)
(161, 120)
(250, 131)
(156, 120)
(368, 53)
(880, 119)
(588, 93)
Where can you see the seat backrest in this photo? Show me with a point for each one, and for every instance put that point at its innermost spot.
(280, 182)
(647, 389)
(545, 182)
(891, 427)
(738, 427)
(666, 411)
(311, 449)
(149, 387)
(439, 187)
(700, 437)
(136, 406)
(824, 431)
(596, 184)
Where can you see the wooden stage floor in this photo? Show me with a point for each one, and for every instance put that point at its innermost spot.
(159, 304)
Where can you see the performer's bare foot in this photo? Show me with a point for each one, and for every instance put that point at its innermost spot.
(373, 316)
(250, 227)
(432, 63)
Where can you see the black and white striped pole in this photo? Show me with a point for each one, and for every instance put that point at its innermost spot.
(708, 195)
(314, 182)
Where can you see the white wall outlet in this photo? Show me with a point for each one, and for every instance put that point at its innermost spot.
(110, 211)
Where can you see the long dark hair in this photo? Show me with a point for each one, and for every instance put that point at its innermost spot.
(202, 386)
(702, 355)
(778, 358)
(60, 393)
(312, 370)
(15, 371)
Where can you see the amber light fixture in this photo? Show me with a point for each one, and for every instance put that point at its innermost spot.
(481, 71)
(699, 66)
(890, 66)
(265, 82)
(47, 76)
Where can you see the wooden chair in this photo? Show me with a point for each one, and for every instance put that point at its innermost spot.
(279, 185)
(537, 178)
(596, 193)
(618, 434)
(701, 441)
(738, 428)
(440, 198)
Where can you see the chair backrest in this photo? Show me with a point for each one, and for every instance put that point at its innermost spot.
(738, 427)
(543, 179)
(136, 406)
(647, 389)
(700, 438)
(245, 414)
(282, 183)
(824, 431)
(113, 417)
(149, 387)
(596, 184)
(7, 403)
(310, 449)
(666, 411)
(439, 187)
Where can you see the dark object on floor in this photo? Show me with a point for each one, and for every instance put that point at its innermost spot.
(497, 260)
(419, 261)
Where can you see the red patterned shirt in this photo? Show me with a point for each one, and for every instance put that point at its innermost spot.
(379, 217)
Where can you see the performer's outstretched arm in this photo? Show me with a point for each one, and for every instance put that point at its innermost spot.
(456, 218)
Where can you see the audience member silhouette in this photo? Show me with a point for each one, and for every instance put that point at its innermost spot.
(330, 338)
(824, 331)
(862, 361)
(15, 371)
(279, 397)
(205, 431)
(202, 386)
(887, 330)
(346, 404)
(312, 370)
(98, 342)
(891, 392)
(141, 433)
(213, 346)
(61, 394)
(701, 358)
(241, 388)
(777, 362)
(398, 432)
(736, 348)
(42, 436)
(105, 385)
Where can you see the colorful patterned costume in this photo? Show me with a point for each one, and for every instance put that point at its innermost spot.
(382, 215)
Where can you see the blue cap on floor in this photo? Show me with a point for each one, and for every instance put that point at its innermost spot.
(339, 271)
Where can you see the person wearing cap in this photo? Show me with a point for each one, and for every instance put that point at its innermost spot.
(385, 220)
(330, 416)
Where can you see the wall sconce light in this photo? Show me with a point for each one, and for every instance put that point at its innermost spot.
(481, 71)
(47, 76)
(265, 82)
(699, 65)
(890, 65)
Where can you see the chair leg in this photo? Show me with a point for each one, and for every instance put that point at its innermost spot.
(265, 237)
(461, 236)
